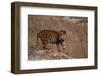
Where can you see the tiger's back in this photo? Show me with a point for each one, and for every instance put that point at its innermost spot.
(48, 36)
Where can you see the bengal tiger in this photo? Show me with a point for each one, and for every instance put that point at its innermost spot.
(51, 36)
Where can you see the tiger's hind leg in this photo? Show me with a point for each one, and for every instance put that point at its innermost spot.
(45, 48)
(44, 45)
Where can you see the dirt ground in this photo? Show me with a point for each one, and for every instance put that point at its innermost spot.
(76, 37)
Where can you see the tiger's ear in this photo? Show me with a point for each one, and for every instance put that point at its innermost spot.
(62, 32)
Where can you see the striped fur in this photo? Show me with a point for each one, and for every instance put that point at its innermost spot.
(50, 36)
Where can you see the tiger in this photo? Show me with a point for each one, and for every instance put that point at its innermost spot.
(51, 36)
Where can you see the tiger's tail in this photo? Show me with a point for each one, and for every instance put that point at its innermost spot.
(35, 44)
(37, 40)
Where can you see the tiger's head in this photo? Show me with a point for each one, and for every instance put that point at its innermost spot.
(62, 37)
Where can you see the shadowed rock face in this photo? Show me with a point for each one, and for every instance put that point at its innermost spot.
(75, 42)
